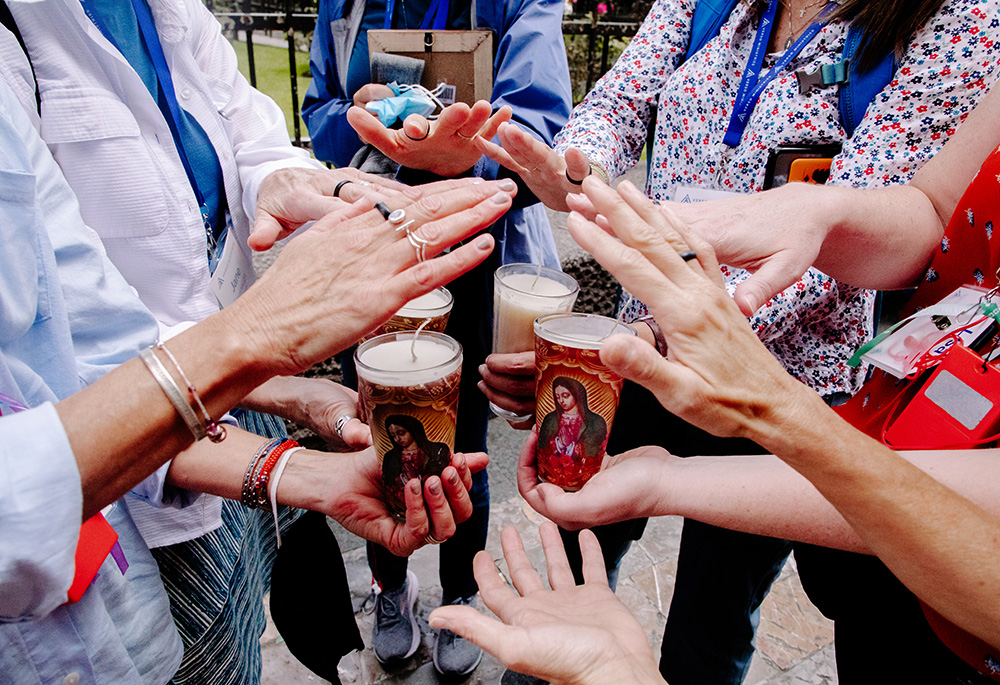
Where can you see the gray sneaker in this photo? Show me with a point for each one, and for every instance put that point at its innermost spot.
(510, 677)
(396, 635)
(455, 656)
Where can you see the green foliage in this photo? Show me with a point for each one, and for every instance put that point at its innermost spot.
(582, 71)
(272, 75)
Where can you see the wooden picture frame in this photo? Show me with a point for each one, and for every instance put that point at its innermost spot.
(463, 59)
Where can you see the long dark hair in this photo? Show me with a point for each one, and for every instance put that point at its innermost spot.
(887, 25)
(413, 426)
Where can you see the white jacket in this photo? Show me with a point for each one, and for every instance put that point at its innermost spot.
(115, 147)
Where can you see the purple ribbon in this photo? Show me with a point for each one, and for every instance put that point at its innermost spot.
(15, 405)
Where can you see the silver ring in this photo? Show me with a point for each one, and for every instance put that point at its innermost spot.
(406, 226)
(364, 184)
(418, 244)
(431, 540)
(339, 424)
(465, 138)
(397, 217)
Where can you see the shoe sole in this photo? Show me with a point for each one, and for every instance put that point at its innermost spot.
(412, 591)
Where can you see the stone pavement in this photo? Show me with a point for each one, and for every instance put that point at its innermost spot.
(794, 642)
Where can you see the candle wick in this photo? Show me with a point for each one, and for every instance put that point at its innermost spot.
(621, 315)
(413, 344)
(538, 274)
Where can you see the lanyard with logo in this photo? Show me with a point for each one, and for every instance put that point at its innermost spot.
(753, 84)
(97, 538)
(436, 17)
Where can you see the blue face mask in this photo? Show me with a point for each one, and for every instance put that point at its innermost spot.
(400, 107)
(409, 99)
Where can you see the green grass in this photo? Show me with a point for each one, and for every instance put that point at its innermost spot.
(272, 76)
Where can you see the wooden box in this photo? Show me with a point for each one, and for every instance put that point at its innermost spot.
(463, 59)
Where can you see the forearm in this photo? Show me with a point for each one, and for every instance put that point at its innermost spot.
(939, 543)
(123, 427)
(882, 239)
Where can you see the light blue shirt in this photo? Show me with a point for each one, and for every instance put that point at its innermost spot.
(66, 318)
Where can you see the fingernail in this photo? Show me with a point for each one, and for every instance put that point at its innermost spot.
(501, 198)
(482, 369)
(484, 242)
(508, 185)
(476, 180)
(435, 487)
(415, 487)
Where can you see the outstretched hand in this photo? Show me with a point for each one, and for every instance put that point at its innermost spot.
(289, 198)
(539, 166)
(445, 146)
(352, 494)
(570, 634)
(634, 484)
(718, 375)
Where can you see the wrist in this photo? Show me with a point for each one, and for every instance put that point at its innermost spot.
(306, 482)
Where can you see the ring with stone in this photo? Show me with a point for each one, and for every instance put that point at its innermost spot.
(397, 217)
(340, 423)
(383, 209)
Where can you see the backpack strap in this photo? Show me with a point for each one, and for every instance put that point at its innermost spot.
(862, 86)
(709, 16)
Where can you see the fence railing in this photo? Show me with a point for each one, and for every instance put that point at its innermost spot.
(599, 35)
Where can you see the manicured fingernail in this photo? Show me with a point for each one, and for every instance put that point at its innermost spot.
(501, 198)
(435, 488)
(484, 242)
(508, 185)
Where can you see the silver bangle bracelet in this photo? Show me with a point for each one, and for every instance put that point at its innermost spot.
(173, 393)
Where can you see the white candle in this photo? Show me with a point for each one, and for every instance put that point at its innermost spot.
(419, 306)
(523, 299)
(392, 363)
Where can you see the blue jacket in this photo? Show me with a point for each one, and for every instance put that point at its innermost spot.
(530, 74)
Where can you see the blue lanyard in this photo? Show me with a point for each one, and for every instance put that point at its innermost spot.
(437, 14)
(752, 84)
(165, 83)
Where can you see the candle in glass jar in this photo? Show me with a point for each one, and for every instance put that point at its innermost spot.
(520, 299)
(396, 356)
(429, 302)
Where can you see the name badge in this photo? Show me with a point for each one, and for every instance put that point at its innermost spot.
(689, 194)
(234, 272)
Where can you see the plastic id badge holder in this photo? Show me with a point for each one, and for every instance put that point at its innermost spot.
(958, 405)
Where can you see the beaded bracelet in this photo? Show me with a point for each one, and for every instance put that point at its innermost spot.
(246, 494)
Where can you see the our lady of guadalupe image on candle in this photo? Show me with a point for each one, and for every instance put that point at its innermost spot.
(572, 437)
(412, 454)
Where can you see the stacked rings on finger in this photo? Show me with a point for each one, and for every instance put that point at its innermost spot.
(574, 181)
(417, 242)
(431, 540)
(383, 209)
(340, 186)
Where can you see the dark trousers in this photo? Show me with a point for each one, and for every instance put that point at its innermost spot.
(722, 575)
(881, 634)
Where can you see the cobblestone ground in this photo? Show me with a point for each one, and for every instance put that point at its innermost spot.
(794, 642)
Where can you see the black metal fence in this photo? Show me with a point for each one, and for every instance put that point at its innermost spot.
(258, 18)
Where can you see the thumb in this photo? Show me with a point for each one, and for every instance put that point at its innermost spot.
(636, 360)
(771, 278)
(266, 230)
(488, 633)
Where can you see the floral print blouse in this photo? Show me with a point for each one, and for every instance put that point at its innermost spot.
(814, 326)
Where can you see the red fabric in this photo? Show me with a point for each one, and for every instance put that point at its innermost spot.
(969, 254)
(97, 537)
